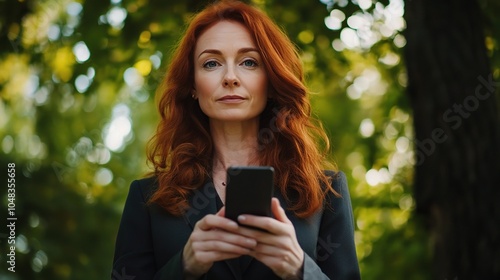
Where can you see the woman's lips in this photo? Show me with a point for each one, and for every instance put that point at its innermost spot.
(231, 98)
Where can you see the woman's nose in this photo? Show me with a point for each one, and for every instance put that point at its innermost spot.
(230, 79)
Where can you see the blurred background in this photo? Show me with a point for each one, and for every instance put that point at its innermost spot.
(77, 87)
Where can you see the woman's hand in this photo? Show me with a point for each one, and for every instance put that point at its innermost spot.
(277, 248)
(214, 238)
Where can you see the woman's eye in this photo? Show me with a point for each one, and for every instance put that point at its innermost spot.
(210, 64)
(249, 63)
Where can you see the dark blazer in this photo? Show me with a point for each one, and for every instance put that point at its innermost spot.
(150, 241)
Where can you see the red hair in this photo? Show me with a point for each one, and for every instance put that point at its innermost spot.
(181, 150)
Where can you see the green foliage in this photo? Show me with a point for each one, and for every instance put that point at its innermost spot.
(77, 108)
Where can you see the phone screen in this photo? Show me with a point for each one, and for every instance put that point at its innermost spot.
(249, 190)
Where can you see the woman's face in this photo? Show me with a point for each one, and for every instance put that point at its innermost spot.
(230, 80)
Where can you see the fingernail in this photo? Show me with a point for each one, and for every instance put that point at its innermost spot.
(241, 218)
(232, 224)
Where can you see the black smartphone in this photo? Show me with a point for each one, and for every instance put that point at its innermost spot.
(249, 190)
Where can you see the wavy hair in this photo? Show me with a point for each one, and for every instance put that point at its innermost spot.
(290, 140)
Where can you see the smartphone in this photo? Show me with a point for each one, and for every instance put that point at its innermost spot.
(249, 190)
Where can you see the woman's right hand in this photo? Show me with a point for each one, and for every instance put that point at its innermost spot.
(214, 238)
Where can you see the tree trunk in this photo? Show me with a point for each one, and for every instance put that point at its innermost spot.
(457, 130)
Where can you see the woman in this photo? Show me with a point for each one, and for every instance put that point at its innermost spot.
(234, 95)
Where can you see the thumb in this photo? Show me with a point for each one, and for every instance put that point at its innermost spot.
(222, 212)
(278, 211)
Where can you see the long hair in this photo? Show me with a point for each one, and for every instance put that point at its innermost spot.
(290, 140)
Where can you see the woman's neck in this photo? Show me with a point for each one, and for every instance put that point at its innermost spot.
(235, 143)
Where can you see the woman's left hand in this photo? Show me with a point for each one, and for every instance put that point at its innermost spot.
(277, 246)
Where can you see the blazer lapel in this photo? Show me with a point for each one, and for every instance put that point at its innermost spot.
(202, 203)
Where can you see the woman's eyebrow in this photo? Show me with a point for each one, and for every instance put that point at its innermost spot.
(210, 51)
(240, 51)
(245, 50)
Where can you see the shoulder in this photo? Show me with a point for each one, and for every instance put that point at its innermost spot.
(144, 187)
(338, 180)
(338, 202)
